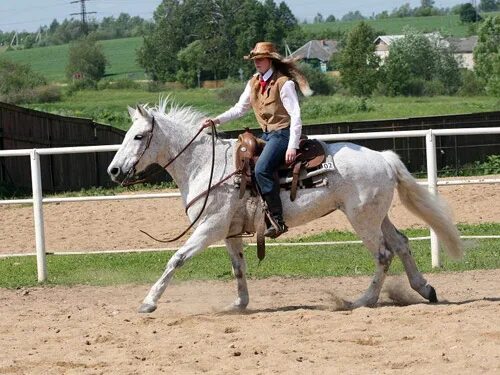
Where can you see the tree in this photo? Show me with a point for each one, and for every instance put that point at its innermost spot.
(331, 18)
(318, 18)
(427, 3)
(403, 11)
(192, 60)
(353, 16)
(87, 59)
(358, 63)
(468, 14)
(227, 29)
(489, 5)
(417, 65)
(487, 55)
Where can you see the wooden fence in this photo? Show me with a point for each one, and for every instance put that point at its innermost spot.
(26, 128)
(452, 151)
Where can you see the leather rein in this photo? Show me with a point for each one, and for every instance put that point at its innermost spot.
(206, 193)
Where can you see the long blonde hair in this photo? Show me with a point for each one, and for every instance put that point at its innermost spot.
(289, 68)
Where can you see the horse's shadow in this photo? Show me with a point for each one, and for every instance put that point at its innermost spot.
(347, 306)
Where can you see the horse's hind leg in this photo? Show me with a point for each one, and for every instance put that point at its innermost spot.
(372, 237)
(235, 250)
(398, 243)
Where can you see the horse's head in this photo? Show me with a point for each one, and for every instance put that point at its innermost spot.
(139, 148)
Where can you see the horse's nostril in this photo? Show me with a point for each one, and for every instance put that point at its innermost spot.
(114, 171)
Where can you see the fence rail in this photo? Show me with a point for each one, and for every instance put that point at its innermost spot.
(38, 200)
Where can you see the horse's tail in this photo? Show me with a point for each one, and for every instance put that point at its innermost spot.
(430, 208)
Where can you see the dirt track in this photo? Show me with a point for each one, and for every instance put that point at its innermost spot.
(294, 326)
(109, 225)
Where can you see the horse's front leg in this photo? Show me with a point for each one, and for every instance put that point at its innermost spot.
(235, 250)
(208, 232)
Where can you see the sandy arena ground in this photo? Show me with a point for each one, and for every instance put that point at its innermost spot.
(88, 226)
(293, 326)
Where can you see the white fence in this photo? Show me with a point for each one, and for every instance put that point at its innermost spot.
(38, 200)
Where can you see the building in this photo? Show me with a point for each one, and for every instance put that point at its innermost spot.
(462, 48)
(317, 52)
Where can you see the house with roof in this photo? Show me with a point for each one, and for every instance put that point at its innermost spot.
(317, 52)
(462, 48)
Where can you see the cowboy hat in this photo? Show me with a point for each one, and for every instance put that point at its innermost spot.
(264, 50)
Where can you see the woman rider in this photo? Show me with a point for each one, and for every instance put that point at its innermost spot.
(272, 96)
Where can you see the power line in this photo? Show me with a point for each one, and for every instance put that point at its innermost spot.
(83, 13)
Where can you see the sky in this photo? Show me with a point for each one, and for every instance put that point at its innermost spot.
(28, 15)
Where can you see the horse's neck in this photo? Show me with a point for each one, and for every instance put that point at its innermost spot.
(191, 170)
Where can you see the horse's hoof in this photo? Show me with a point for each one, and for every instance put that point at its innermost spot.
(433, 296)
(235, 308)
(146, 308)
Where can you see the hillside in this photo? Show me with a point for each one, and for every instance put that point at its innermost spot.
(449, 25)
(121, 53)
(51, 61)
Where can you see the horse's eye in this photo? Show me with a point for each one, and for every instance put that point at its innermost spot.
(138, 137)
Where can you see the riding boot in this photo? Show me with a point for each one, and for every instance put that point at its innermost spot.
(276, 225)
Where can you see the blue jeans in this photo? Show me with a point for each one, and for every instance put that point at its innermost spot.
(272, 156)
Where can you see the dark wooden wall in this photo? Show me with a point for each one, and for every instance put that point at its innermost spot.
(26, 128)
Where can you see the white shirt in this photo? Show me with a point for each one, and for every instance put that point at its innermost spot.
(290, 101)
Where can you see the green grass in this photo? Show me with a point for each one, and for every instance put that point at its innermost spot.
(448, 25)
(110, 106)
(51, 61)
(214, 264)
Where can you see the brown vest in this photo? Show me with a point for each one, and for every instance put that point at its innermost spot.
(268, 108)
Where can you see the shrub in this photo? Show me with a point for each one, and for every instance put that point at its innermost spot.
(15, 77)
(86, 58)
(231, 91)
(19, 84)
(119, 84)
(321, 83)
(334, 106)
(471, 85)
(81, 84)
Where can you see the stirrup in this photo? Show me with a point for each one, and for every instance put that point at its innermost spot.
(275, 229)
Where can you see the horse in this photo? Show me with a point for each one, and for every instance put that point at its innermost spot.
(361, 185)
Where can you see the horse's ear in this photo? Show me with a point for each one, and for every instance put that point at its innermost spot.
(131, 111)
(142, 111)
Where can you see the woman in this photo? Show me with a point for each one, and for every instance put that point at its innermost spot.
(272, 96)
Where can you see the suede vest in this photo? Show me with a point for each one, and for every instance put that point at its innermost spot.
(268, 108)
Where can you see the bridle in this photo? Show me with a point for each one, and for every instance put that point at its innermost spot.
(128, 182)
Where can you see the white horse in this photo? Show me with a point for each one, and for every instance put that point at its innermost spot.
(362, 186)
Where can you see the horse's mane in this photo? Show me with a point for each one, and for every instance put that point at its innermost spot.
(168, 110)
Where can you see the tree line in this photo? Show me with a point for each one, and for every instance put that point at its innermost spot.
(467, 12)
(123, 26)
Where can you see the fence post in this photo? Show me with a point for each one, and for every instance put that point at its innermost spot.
(36, 185)
(430, 151)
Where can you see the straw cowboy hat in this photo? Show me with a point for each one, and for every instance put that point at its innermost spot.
(287, 66)
(264, 50)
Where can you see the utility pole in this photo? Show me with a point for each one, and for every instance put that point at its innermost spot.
(83, 13)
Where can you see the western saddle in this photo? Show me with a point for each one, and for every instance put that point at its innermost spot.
(310, 156)
(309, 160)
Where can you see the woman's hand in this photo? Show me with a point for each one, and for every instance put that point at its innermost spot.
(290, 155)
(209, 122)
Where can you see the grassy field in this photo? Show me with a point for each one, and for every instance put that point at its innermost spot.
(302, 261)
(110, 106)
(448, 25)
(51, 61)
